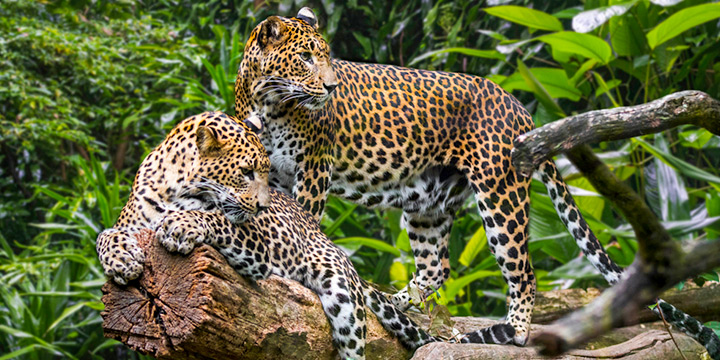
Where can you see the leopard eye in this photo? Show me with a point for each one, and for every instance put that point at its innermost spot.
(306, 56)
(248, 173)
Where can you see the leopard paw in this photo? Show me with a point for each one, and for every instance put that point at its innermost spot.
(180, 232)
(120, 255)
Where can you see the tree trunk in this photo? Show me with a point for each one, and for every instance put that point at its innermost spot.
(197, 307)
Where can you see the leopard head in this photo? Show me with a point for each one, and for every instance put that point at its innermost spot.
(231, 171)
(287, 60)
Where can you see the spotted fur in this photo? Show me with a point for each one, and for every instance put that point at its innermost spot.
(208, 160)
(391, 137)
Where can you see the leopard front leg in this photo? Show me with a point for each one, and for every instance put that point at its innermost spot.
(429, 242)
(120, 255)
(312, 184)
(249, 255)
(341, 294)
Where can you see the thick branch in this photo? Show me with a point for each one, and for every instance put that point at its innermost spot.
(685, 107)
(198, 307)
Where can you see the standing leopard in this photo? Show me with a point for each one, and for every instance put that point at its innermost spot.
(207, 182)
(392, 137)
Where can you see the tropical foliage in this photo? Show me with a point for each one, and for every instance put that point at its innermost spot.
(87, 88)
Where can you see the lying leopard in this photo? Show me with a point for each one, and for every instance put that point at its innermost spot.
(208, 183)
(391, 137)
(207, 161)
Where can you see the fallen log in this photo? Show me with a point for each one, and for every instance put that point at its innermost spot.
(197, 307)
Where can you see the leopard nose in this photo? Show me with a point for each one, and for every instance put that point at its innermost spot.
(330, 87)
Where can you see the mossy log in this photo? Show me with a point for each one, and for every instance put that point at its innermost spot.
(197, 307)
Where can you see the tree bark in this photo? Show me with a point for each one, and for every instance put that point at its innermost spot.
(197, 307)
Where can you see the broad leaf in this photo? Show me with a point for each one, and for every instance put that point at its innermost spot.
(452, 288)
(371, 243)
(531, 18)
(474, 246)
(587, 45)
(681, 21)
(626, 36)
(680, 165)
(488, 54)
(554, 80)
(540, 92)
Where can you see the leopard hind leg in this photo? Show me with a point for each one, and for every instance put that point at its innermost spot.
(503, 200)
(429, 242)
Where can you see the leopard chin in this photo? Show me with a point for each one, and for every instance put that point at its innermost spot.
(316, 102)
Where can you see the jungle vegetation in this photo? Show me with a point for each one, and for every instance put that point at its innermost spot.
(89, 87)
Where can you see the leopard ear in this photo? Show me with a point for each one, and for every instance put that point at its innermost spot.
(207, 143)
(272, 31)
(306, 14)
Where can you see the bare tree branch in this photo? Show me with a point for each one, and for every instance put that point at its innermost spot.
(685, 107)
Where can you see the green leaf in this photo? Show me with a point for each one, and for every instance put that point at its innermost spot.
(587, 45)
(674, 200)
(539, 90)
(531, 18)
(555, 81)
(365, 43)
(589, 200)
(340, 220)
(604, 88)
(474, 246)
(65, 314)
(627, 37)
(371, 243)
(681, 21)
(452, 288)
(580, 73)
(487, 54)
(398, 273)
(22, 351)
(680, 165)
